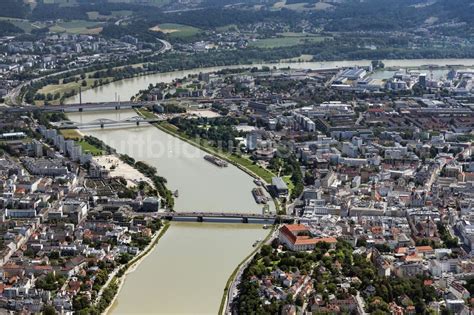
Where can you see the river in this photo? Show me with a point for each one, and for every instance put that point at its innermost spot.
(202, 186)
(188, 269)
(127, 88)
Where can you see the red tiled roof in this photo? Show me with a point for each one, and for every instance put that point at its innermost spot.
(424, 249)
(330, 240)
(40, 267)
(295, 227)
(419, 249)
(304, 240)
(291, 230)
(428, 282)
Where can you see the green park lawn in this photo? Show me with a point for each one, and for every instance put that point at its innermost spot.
(77, 27)
(87, 147)
(71, 134)
(286, 41)
(177, 30)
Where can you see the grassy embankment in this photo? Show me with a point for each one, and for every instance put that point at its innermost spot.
(75, 135)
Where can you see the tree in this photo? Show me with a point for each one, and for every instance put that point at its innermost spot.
(80, 302)
(299, 300)
(266, 250)
(125, 258)
(54, 255)
(50, 282)
(49, 310)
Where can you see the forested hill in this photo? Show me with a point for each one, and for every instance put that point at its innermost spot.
(450, 17)
(13, 8)
(396, 15)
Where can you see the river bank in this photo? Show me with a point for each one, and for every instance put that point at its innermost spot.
(243, 164)
(134, 263)
(231, 283)
(187, 271)
(70, 89)
(118, 168)
(182, 164)
(128, 88)
(91, 83)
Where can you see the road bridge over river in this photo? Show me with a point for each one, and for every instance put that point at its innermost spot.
(242, 217)
(77, 107)
(104, 122)
(100, 106)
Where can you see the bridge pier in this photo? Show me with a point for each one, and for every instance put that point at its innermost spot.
(138, 123)
(245, 220)
(200, 219)
(102, 125)
(80, 109)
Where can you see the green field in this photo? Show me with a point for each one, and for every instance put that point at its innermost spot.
(71, 134)
(62, 88)
(152, 2)
(77, 27)
(62, 3)
(25, 25)
(226, 28)
(95, 15)
(301, 58)
(176, 30)
(302, 6)
(121, 13)
(87, 147)
(289, 183)
(145, 113)
(286, 41)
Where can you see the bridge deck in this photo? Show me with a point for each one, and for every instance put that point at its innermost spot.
(223, 215)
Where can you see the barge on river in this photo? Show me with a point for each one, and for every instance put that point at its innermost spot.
(216, 161)
(259, 195)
